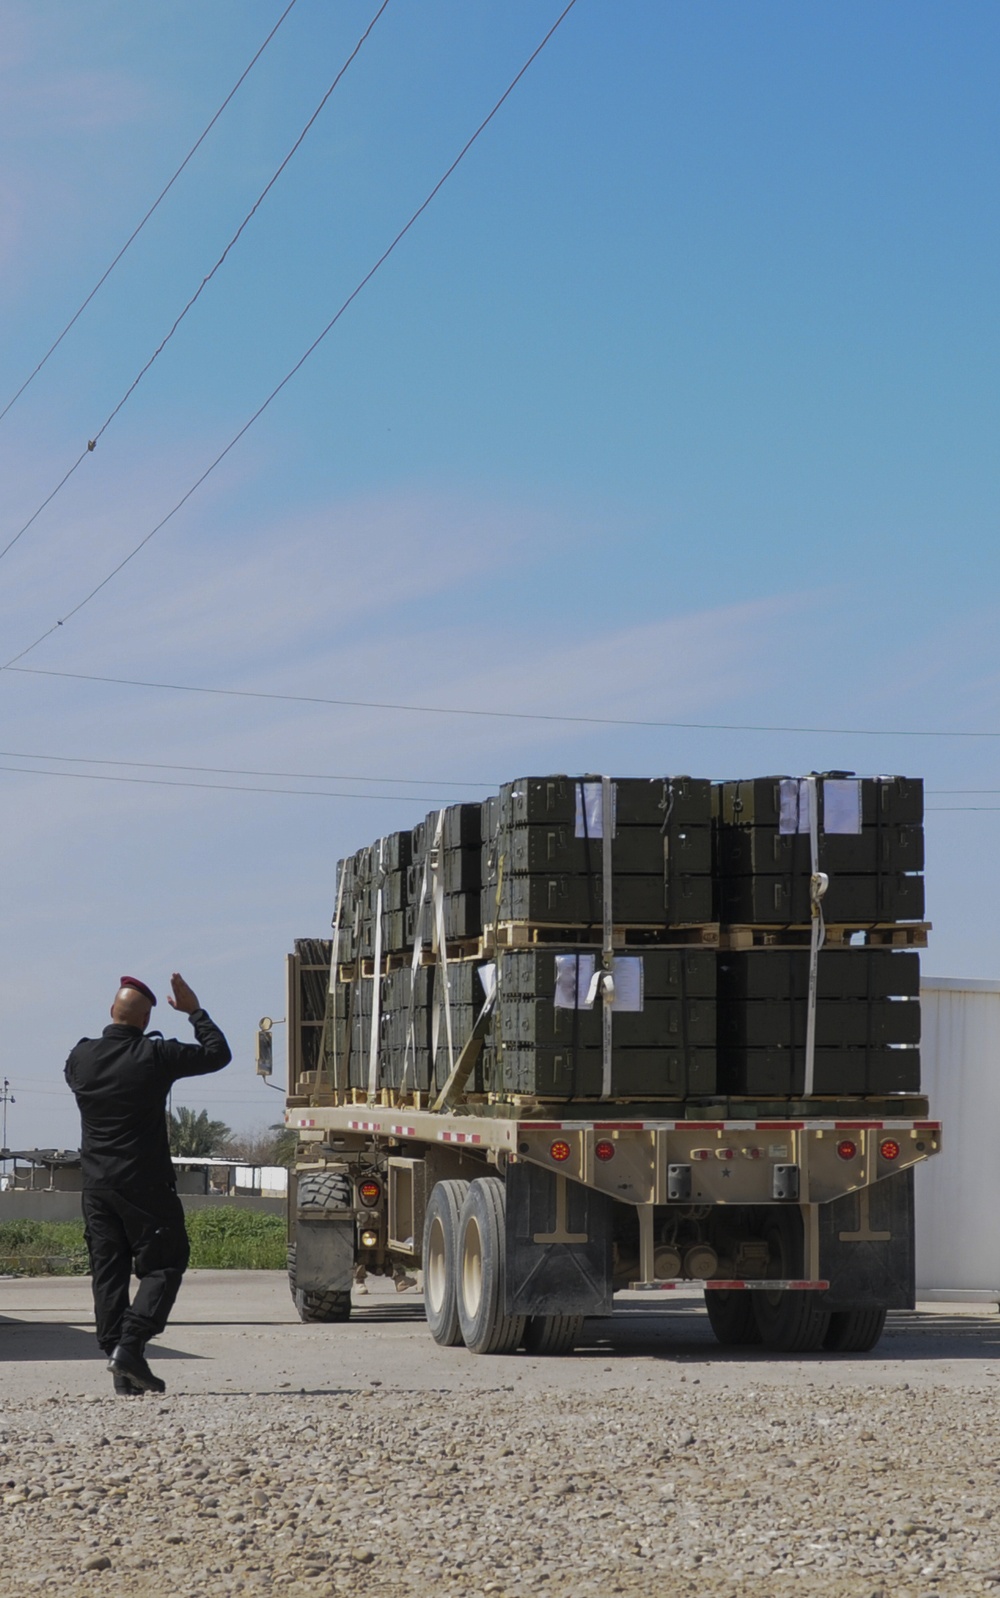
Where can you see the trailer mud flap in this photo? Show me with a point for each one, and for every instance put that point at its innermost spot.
(866, 1249)
(324, 1256)
(558, 1245)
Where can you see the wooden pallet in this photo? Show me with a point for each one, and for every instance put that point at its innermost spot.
(839, 935)
(532, 934)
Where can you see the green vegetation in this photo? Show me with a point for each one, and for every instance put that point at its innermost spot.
(223, 1239)
(42, 1248)
(194, 1136)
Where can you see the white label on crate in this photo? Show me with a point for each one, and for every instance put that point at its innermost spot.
(590, 812)
(576, 987)
(574, 974)
(842, 805)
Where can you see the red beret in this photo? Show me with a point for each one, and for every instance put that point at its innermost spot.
(140, 987)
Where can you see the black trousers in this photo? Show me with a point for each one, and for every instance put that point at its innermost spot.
(144, 1232)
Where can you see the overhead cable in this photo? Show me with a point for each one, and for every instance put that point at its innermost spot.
(137, 230)
(501, 715)
(303, 358)
(92, 443)
(237, 771)
(219, 787)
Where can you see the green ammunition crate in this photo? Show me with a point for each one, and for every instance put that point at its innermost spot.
(662, 1023)
(781, 1072)
(784, 900)
(643, 801)
(666, 973)
(747, 851)
(558, 900)
(853, 973)
(842, 1023)
(885, 801)
(635, 851)
(578, 1073)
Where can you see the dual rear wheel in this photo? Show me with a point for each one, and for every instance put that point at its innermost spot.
(787, 1320)
(465, 1276)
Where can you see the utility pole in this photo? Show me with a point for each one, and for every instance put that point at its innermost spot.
(6, 1097)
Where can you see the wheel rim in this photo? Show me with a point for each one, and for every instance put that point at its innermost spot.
(436, 1267)
(472, 1268)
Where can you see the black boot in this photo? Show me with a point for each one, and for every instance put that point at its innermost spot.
(129, 1364)
(124, 1388)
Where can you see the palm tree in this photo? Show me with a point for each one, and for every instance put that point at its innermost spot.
(193, 1136)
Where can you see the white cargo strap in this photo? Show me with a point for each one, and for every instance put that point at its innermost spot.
(607, 984)
(439, 943)
(410, 1047)
(377, 979)
(334, 963)
(818, 884)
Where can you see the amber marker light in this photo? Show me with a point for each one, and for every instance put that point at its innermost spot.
(369, 1192)
(889, 1149)
(560, 1149)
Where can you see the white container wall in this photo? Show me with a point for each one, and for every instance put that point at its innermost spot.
(958, 1191)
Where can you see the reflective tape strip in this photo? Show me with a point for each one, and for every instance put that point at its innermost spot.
(459, 1137)
(730, 1287)
(305, 1123)
(403, 1131)
(363, 1126)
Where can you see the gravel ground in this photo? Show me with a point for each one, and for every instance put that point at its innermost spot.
(386, 1493)
(662, 1475)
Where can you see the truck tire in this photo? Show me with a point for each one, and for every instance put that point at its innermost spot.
(790, 1321)
(552, 1334)
(854, 1331)
(441, 1262)
(317, 1306)
(320, 1192)
(732, 1318)
(482, 1245)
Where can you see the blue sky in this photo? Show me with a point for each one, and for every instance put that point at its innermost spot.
(678, 403)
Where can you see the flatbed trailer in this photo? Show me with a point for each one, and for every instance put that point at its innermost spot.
(800, 1230)
(527, 1213)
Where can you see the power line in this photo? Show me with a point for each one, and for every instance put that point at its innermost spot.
(93, 442)
(215, 787)
(136, 231)
(500, 715)
(303, 358)
(236, 771)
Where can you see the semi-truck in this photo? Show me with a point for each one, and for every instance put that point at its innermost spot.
(554, 1049)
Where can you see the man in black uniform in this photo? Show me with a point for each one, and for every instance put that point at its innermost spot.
(132, 1215)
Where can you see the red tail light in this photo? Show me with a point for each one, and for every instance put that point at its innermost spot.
(369, 1192)
(889, 1149)
(604, 1150)
(847, 1150)
(560, 1149)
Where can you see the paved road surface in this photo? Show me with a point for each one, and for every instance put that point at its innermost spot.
(237, 1331)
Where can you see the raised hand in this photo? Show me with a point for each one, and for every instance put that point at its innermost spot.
(182, 997)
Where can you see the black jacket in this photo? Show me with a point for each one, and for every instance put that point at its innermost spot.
(121, 1081)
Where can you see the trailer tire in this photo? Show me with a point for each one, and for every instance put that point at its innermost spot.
(317, 1306)
(440, 1259)
(790, 1320)
(481, 1275)
(854, 1331)
(732, 1318)
(549, 1335)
